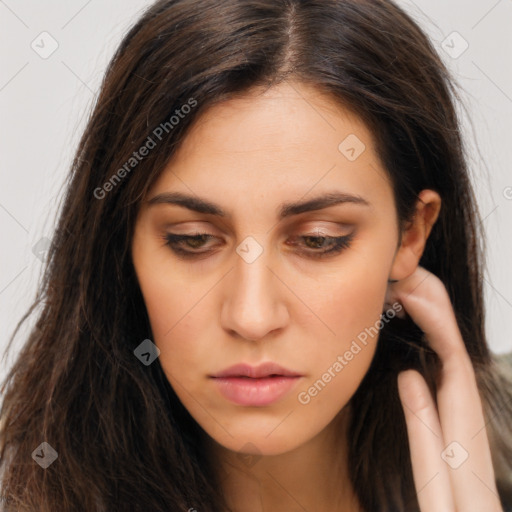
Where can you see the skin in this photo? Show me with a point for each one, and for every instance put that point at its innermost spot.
(461, 483)
(249, 155)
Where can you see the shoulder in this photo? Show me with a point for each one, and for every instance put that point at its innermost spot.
(504, 361)
(504, 468)
(506, 357)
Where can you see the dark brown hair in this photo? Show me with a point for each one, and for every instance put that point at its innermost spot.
(124, 440)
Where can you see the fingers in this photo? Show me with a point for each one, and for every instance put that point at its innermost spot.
(468, 453)
(426, 300)
(465, 446)
(430, 472)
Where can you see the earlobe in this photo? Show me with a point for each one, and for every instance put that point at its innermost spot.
(406, 261)
(414, 237)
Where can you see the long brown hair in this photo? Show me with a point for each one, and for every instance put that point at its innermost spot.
(124, 441)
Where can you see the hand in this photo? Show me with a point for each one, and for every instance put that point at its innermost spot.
(451, 458)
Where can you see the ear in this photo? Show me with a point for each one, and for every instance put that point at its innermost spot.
(415, 235)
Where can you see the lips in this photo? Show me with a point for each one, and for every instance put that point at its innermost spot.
(255, 386)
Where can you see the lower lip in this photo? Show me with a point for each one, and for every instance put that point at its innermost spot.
(255, 392)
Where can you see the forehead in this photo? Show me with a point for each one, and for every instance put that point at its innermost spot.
(290, 117)
(287, 142)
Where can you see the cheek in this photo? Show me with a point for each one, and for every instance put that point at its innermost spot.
(177, 316)
(166, 296)
(351, 311)
(347, 304)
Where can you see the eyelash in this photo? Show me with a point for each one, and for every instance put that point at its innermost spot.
(339, 243)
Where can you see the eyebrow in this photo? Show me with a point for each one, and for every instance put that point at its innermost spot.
(289, 209)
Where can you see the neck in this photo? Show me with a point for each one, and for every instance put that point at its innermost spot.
(313, 476)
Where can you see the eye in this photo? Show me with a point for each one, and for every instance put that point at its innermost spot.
(315, 246)
(178, 242)
(328, 245)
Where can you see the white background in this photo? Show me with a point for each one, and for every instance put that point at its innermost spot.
(44, 102)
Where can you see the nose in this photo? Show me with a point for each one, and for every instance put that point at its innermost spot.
(255, 301)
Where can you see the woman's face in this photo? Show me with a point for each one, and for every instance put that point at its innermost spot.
(263, 177)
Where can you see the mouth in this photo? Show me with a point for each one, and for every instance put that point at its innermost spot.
(255, 386)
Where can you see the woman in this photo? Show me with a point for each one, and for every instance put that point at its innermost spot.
(265, 288)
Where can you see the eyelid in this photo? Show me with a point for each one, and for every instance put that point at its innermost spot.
(320, 231)
(334, 230)
(316, 231)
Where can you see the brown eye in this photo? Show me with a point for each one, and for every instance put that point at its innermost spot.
(178, 242)
(321, 246)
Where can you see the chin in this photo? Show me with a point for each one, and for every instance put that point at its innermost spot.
(265, 437)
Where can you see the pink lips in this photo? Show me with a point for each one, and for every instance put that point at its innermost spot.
(255, 385)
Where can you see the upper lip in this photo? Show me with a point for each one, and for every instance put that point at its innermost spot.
(256, 372)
